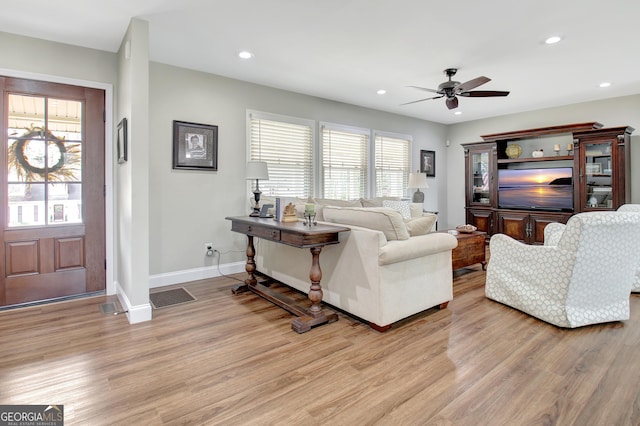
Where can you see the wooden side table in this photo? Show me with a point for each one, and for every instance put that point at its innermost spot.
(470, 250)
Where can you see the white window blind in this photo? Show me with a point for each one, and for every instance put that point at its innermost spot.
(344, 162)
(391, 165)
(287, 147)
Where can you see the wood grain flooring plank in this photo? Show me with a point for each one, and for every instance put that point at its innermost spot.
(234, 360)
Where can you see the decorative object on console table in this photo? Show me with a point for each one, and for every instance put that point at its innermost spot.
(282, 203)
(310, 214)
(418, 180)
(195, 146)
(428, 162)
(289, 213)
(257, 170)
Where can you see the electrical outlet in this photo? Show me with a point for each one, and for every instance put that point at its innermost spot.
(208, 247)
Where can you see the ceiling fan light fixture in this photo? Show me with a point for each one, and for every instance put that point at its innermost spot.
(553, 39)
(451, 89)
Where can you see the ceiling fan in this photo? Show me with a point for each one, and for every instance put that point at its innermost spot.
(451, 89)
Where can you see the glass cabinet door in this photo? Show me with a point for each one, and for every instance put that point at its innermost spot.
(598, 176)
(480, 190)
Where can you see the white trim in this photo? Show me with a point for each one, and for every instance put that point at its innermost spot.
(135, 314)
(261, 115)
(178, 277)
(345, 128)
(111, 285)
(392, 135)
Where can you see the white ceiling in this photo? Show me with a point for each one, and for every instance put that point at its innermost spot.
(345, 50)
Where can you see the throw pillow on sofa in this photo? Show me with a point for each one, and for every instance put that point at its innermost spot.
(420, 225)
(386, 220)
(400, 206)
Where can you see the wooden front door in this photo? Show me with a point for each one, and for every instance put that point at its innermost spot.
(53, 216)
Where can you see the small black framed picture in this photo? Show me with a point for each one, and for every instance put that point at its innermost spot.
(428, 162)
(122, 141)
(195, 146)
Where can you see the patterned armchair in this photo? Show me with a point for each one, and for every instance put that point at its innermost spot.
(635, 208)
(581, 275)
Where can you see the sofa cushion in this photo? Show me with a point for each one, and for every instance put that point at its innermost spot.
(385, 220)
(400, 206)
(420, 225)
(377, 201)
(339, 203)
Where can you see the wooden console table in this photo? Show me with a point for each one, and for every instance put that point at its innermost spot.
(295, 234)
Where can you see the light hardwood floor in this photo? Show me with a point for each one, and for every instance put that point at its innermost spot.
(234, 360)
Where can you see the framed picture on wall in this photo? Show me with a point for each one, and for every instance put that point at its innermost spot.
(428, 162)
(195, 146)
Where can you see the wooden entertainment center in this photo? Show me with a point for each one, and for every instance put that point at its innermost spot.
(596, 158)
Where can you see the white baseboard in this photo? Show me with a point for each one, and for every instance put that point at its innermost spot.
(135, 314)
(179, 277)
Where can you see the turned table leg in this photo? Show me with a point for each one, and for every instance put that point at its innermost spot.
(315, 275)
(250, 267)
(316, 315)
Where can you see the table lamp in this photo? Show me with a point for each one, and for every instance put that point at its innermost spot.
(418, 180)
(257, 170)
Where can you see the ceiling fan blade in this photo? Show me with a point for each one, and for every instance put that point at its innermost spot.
(472, 84)
(424, 89)
(483, 93)
(452, 103)
(420, 100)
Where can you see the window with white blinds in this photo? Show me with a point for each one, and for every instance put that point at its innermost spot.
(286, 144)
(344, 162)
(391, 165)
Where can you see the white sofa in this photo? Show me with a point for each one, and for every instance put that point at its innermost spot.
(386, 268)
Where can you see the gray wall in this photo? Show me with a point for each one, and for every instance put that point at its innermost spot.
(188, 208)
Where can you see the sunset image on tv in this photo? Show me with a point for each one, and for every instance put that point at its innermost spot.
(550, 189)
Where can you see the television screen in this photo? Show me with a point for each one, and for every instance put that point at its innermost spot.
(543, 189)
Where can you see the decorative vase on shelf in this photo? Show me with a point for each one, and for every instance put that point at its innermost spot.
(537, 153)
(513, 151)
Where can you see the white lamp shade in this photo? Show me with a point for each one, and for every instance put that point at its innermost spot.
(257, 170)
(418, 180)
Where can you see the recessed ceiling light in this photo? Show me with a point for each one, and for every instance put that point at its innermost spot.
(245, 55)
(553, 39)
(381, 92)
(458, 113)
(605, 84)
